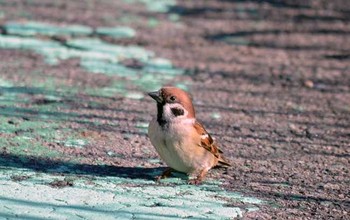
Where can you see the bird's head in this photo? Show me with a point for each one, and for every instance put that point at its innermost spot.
(173, 103)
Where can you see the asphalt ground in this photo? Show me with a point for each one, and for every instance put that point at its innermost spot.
(270, 81)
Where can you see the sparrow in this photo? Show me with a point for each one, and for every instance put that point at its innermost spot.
(179, 139)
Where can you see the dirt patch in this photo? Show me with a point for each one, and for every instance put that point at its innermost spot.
(61, 183)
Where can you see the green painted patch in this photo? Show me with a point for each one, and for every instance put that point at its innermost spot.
(116, 51)
(130, 18)
(236, 40)
(26, 145)
(23, 137)
(108, 68)
(133, 95)
(142, 126)
(29, 135)
(161, 6)
(155, 161)
(183, 85)
(77, 143)
(216, 115)
(114, 154)
(174, 17)
(11, 125)
(116, 32)
(28, 130)
(45, 86)
(116, 87)
(37, 28)
(151, 75)
(7, 97)
(97, 56)
(153, 22)
(5, 83)
(34, 196)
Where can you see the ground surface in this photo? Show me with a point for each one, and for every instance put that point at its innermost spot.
(270, 80)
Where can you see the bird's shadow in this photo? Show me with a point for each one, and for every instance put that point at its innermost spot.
(51, 166)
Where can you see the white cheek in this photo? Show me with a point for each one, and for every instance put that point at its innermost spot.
(168, 114)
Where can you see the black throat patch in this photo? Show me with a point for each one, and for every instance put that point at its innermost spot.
(177, 111)
(160, 119)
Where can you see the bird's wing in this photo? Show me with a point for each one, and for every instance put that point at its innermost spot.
(208, 143)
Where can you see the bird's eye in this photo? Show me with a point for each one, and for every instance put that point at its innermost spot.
(172, 98)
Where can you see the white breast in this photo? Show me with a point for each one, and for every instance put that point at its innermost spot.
(174, 145)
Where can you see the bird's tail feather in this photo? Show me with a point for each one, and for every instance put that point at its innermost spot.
(223, 162)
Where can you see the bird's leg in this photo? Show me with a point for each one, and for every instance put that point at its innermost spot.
(199, 177)
(166, 173)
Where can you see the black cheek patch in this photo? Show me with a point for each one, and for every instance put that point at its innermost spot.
(177, 111)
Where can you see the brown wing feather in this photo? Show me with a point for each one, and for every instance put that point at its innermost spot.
(208, 143)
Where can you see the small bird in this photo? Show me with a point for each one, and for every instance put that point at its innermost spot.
(180, 140)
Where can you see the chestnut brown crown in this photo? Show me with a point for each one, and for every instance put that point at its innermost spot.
(174, 95)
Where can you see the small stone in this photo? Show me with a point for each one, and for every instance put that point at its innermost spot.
(309, 84)
(61, 183)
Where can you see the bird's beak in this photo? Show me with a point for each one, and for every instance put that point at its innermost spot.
(156, 96)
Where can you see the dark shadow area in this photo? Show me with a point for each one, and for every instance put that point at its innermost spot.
(324, 18)
(34, 114)
(215, 12)
(274, 45)
(36, 107)
(86, 120)
(222, 36)
(277, 3)
(183, 11)
(259, 12)
(41, 164)
(340, 57)
(28, 90)
(252, 12)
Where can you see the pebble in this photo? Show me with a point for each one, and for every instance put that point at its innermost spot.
(309, 84)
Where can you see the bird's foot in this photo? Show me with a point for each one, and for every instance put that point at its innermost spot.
(166, 173)
(194, 181)
(198, 180)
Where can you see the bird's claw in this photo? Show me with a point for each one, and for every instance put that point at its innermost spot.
(194, 182)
